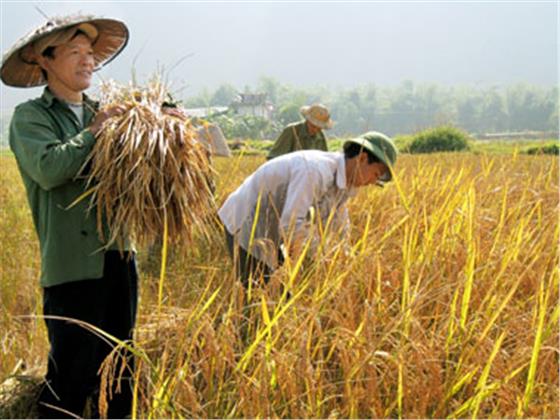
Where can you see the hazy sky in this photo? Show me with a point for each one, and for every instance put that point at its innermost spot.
(336, 44)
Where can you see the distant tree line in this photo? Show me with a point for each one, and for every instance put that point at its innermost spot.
(403, 109)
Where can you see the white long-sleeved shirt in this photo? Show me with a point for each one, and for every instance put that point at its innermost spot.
(284, 190)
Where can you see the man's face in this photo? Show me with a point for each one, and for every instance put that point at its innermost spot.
(72, 65)
(312, 128)
(365, 173)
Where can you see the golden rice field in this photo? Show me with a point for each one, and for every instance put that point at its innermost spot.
(446, 307)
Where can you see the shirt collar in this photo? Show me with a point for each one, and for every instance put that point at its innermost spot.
(340, 171)
(306, 130)
(341, 176)
(304, 127)
(49, 98)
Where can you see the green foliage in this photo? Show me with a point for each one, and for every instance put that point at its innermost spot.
(409, 106)
(506, 146)
(335, 144)
(250, 147)
(548, 149)
(289, 113)
(402, 142)
(246, 126)
(224, 95)
(438, 139)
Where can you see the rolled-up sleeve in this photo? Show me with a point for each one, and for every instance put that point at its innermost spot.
(47, 159)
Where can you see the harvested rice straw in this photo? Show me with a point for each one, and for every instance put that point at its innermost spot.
(148, 170)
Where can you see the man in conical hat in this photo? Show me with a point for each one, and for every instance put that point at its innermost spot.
(82, 277)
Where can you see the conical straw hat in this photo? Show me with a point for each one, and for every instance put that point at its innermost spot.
(19, 65)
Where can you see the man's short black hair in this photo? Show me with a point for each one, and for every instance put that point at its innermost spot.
(354, 149)
(49, 52)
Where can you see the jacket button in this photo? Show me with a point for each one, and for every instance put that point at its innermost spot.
(83, 232)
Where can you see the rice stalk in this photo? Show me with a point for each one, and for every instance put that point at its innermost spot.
(540, 309)
(148, 172)
(163, 260)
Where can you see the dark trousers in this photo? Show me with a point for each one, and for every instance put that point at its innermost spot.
(246, 266)
(76, 353)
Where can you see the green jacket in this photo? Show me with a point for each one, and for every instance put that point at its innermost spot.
(50, 147)
(296, 137)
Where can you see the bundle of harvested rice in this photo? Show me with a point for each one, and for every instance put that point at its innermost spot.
(149, 175)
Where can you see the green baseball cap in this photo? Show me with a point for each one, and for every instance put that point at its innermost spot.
(379, 145)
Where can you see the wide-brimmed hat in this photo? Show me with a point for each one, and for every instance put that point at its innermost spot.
(379, 145)
(19, 64)
(317, 114)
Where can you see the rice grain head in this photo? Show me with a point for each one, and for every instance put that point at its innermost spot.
(147, 168)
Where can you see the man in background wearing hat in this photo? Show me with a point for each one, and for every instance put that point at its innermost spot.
(83, 278)
(304, 135)
(273, 207)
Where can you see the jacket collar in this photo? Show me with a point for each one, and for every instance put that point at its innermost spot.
(341, 171)
(341, 176)
(306, 130)
(48, 99)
